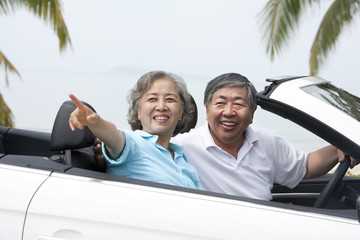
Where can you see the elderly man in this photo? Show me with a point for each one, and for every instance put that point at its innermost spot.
(233, 158)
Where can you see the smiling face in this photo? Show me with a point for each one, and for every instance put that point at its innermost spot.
(228, 115)
(160, 108)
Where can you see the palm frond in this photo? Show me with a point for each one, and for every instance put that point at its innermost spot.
(6, 116)
(278, 19)
(8, 67)
(339, 15)
(4, 6)
(50, 11)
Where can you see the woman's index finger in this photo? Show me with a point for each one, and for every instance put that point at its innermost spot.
(77, 102)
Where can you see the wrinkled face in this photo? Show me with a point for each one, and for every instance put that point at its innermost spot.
(228, 115)
(160, 108)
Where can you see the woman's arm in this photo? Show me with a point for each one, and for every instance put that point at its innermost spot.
(106, 131)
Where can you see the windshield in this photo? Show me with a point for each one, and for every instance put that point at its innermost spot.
(337, 97)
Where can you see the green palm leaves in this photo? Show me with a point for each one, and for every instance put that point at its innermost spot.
(50, 12)
(8, 67)
(281, 17)
(6, 117)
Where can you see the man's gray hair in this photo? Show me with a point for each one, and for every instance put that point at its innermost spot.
(230, 80)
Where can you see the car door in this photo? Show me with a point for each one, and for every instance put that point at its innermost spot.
(17, 187)
(81, 207)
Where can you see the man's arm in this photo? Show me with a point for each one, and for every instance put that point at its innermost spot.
(323, 160)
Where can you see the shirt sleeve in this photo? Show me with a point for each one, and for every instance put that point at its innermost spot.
(125, 153)
(290, 164)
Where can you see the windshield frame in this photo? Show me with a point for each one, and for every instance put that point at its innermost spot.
(337, 97)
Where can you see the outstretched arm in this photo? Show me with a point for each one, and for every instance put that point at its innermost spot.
(106, 131)
(323, 160)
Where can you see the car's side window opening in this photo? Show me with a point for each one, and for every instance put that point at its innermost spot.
(299, 137)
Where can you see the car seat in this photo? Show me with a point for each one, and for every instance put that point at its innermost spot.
(74, 148)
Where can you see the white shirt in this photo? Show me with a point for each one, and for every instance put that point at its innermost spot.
(263, 160)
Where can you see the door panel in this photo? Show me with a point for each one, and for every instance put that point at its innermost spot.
(17, 187)
(75, 207)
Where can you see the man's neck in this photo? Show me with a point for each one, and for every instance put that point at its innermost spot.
(231, 147)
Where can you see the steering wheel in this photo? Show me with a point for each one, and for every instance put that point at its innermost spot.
(332, 184)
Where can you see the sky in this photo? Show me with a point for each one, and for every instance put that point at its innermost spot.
(116, 41)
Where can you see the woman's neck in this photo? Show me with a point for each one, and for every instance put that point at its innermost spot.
(164, 142)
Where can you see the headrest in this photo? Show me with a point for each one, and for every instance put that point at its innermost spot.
(62, 138)
(192, 123)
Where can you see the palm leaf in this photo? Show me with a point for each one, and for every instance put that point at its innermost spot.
(339, 15)
(4, 6)
(50, 12)
(278, 19)
(8, 67)
(6, 117)
(47, 10)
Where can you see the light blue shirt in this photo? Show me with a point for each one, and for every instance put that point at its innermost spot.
(142, 158)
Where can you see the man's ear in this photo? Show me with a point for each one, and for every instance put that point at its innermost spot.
(252, 118)
(207, 110)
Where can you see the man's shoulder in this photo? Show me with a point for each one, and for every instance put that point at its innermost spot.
(264, 134)
(260, 134)
(188, 137)
(270, 141)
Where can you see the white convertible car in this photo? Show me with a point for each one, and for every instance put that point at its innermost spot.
(51, 188)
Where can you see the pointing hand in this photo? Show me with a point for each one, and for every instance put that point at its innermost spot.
(82, 115)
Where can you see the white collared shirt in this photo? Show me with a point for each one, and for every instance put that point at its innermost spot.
(264, 159)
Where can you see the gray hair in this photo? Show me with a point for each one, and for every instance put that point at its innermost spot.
(230, 80)
(135, 94)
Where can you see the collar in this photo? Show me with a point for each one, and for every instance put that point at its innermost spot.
(176, 149)
(145, 135)
(251, 135)
(208, 139)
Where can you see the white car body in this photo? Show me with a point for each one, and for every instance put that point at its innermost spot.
(75, 207)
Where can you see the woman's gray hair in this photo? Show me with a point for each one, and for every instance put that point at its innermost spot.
(135, 94)
(230, 80)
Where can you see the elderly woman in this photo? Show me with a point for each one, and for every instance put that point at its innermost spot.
(159, 108)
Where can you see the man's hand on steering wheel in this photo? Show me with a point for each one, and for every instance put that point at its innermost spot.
(341, 157)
